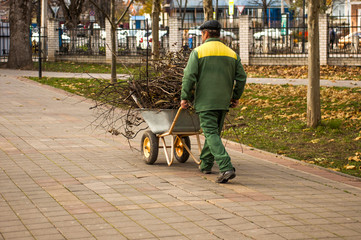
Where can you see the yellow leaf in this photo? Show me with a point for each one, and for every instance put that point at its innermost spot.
(358, 138)
(350, 167)
(315, 141)
(268, 117)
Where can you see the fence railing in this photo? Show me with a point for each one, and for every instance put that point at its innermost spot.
(4, 40)
(139, 41)
(344, 37)
(82, 41)
(36, 45)
(33, 42)
(274, 37)
(93, 42)
(191, 38)
(286, 36)
(190, 21)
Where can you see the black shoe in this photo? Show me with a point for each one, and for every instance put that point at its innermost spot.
(204, 171)
(225, 176)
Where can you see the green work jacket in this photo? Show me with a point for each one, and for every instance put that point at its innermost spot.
(213, 76)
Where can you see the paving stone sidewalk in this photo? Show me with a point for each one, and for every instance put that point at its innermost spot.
(62, 179)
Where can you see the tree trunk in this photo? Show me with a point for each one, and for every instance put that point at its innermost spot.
(184, 13)
(155, 28)
(208, 10)
(265, 15)
(313, 91)
(20, 46)
(72, 12)
(113, 47)
(113, 22)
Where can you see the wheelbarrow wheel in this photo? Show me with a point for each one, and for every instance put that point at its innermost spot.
(180, 153)
(149, 147)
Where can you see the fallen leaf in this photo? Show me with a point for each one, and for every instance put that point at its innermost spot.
(315, 141)
(268, 117)
(350, 167)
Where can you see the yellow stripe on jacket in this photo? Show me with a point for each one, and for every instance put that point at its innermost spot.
(215, 48)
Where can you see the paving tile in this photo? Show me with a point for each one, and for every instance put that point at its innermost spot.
(139, 235)
(44, 231)
(22, 234)
(52, 237)
(206, 236)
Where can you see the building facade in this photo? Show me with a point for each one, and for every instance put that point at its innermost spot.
(356, 15)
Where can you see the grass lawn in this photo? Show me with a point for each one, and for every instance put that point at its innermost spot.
(83, 67)
(273, 118)
(327, 72)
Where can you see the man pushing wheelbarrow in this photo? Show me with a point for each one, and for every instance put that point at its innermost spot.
(214, 77)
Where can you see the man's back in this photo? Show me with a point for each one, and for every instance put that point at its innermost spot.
(213, 66)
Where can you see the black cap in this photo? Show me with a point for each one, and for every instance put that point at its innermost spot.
(211, 24)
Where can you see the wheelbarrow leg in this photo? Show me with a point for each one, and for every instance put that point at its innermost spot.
(190, 153)
(199, 144)
(169, 161)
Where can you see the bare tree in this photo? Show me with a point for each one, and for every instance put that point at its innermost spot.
(208, 10)
(20, 49)
(104, 4)
(113, 23)
(71, 11)
(324, 4)
(265, 4)
(182, 10)
(155, 28)
(313, 90)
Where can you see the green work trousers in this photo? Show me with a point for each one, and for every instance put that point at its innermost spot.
(213, 150)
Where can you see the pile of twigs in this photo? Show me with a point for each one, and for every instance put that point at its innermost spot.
(160, 86)
(157, 86)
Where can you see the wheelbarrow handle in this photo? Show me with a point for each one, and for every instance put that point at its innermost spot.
(175, 120)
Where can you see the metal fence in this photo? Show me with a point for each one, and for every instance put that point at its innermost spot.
(191, 35)
(33, 41)
(82, 41)
(36, 42)
(92, 42)
(139, 41)
(4, 41)
(284, 36)
(344, 36)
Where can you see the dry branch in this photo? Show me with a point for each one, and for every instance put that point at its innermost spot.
(117, 104)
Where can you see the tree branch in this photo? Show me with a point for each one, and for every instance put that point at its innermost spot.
(125, 11)
(100, 9)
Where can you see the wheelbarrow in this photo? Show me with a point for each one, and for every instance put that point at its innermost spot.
(179, 124)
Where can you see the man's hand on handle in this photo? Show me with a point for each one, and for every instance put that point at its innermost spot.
(184, 104)
(234, 103)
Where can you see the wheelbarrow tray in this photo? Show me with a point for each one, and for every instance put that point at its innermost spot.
(160, 120)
